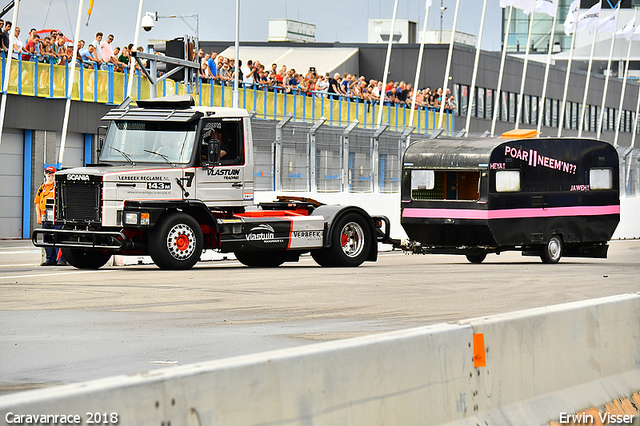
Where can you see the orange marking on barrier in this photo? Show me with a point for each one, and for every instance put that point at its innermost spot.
(627, 407)
(636, 398)
(479, 359)
(614, 408)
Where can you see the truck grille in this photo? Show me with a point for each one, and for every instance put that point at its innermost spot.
(79, 201)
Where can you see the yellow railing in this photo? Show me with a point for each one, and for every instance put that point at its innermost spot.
(91, 85)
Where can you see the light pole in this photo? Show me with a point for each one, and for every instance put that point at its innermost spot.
(442, 9)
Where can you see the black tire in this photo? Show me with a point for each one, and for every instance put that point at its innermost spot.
(476, 258)
(351, 242)
(85, 259)
(552, 251)
(176, 242)
(261, 259)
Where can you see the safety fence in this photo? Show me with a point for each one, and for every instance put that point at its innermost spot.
(46, 79)
(315, 157)
(523, 368)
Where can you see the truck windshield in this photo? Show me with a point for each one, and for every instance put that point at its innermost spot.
(149, 142)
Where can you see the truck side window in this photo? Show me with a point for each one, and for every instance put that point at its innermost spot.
(600, 178)
(231, 136)
(508, 181)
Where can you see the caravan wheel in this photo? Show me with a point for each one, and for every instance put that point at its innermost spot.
(552, 251)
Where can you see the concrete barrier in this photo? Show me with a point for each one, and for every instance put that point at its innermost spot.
(537, 364)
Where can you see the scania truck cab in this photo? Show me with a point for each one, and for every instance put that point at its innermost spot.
(173, 180)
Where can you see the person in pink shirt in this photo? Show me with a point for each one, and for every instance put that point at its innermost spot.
(107, 50)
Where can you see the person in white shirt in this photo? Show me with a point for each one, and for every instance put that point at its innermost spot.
(97, 44)
(17, 44)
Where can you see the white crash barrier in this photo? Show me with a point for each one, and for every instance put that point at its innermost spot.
(539, 363)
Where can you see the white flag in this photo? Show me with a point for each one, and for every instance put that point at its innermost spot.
(609, 23)
(572, 15)
(636, 34)
(627, 30)
(428, 5)
(527, 6)
(547, 6)
(590, 19)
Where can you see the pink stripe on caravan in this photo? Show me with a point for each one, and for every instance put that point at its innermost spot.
(510, 213)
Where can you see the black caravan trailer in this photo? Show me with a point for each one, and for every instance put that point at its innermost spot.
(546, 197)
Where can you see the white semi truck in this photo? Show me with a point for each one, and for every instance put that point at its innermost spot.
(173, 180)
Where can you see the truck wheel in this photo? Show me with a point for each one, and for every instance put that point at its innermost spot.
(350, 243)
(176, 242)
(552, 251)
(261, 259)
(476, 258)
(85, 259)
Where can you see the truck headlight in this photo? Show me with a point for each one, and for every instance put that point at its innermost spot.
(131, 218)
(144, 218)
(49, 215)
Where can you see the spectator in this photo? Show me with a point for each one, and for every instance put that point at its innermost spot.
(17, 44)
(5, 36)
(213, 67)
(32, 49)
(322, 86)
(334, 86)
(96, 44)
(118, 65)
(450, 106)
(125, 57)
(88, 56)
(106, 50)
(203, 71)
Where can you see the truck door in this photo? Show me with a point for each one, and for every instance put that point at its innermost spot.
(223, 185)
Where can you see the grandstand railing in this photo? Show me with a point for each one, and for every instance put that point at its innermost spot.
(43, 78)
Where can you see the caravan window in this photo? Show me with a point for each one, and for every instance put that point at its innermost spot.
(600, 178)
(422, 179)
(508, 180)
(445, 185)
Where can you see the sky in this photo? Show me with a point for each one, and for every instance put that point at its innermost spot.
(334, 22)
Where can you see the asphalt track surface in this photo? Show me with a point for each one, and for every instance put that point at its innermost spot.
(63, 325)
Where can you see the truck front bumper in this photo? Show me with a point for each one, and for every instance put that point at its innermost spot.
(62, 238)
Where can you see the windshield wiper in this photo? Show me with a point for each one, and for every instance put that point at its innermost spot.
(124, 154)
(164, 157)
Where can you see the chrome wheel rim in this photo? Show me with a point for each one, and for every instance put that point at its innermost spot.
(554, 248)
(181, 241)
(352, 239)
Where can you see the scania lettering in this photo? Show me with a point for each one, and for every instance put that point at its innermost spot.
(173, 180)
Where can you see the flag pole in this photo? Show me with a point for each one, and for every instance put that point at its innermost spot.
(7, 68)
(606, 79)
(386, 63)
(586, 88)
(524, 72)
(447, 70)
(419, 66)
(624, 86)
(546, 73)
(497, 101)
(136, 37)
(568, 74)
(475, 71)
(72, 71)
(635, 122)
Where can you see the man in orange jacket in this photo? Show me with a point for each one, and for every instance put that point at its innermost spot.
(46, 191)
